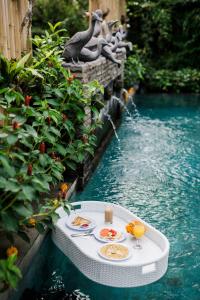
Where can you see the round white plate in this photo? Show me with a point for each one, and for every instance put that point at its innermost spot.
(71, 218)
(114, 259)
(99, 238)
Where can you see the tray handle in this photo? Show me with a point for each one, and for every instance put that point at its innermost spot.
(149, 268)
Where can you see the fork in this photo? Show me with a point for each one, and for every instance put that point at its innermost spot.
(89, 232)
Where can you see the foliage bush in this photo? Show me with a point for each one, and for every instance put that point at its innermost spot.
(184, 80)
(70, 12)
(167, 33)
(134, 68)
(42, 135)
(168, 30)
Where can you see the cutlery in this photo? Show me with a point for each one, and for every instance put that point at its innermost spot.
(82, 233)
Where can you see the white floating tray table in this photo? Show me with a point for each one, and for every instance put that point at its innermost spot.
(143, 267)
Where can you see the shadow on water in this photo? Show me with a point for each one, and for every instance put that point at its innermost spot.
(156, 176)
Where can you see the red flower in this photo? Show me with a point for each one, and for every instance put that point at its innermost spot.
(27, 100)
(85, 139)
(64, 195)
(15, 125)
(42, 147)
(49, 120)
(29, 169)
(64, 117)
(71, 78)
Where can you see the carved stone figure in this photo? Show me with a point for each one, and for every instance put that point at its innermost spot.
(88, 55)
(79, 40)
(93, 42)
(97, 28)
(109, 36)
(107, 52)
(117, 39)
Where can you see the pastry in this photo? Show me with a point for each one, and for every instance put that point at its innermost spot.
(79, 221)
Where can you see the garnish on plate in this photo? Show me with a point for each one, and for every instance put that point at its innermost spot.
(110, 234)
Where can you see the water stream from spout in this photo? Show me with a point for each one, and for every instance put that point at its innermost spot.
(136, 112)
(106, 114)
(120, 101)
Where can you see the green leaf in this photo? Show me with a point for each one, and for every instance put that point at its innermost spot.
(40, 228)
(11, 260)
(35, 73)
(21, 63)
(9, 221)
(44, 160)
(60, 149)
(6, 164)
(12, 139)
(41, 184)
(11, 186)
(28, 191)
(58, 93)
(71, 165)
(22, 210)
(31, 130)
(53, 102)
(55, 131)
(10, 97)
(54, 217)
(3, 183)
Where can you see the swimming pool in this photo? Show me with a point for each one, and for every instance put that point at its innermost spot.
(156, 174)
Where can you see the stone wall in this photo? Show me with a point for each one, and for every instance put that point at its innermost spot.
(101, 69)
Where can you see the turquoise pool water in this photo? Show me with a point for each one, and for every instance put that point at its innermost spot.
(155, 174)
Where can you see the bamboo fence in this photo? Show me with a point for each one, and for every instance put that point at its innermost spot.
(15, 30)
(117, 7)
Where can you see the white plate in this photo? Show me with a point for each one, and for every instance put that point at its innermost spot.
(114, 259)
(99, 238)
(70, 219)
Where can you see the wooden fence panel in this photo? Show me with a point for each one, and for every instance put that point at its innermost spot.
(14, 38)
(117, 7)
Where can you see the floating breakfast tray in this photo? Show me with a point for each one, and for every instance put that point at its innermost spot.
(142, 267)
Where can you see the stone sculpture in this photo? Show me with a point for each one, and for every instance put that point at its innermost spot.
(107, 52)
(117, 39)
(93, 42)
(97, 28)
(88, 55)
(109, 36)
(74, 46)
(88, 45)
(122, 44)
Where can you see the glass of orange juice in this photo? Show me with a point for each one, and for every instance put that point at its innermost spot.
(138, 232)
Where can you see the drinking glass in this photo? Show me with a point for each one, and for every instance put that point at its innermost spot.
(139, 231)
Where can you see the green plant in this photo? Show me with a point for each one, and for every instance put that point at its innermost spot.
(70, 12)
(43, 134)
(167, 35)
(134, 68)
(184, 80)
(9, 273)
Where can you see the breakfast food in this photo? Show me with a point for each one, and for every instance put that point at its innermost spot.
(130, 227)
(81, 222)
(110, 234)
(114, 251)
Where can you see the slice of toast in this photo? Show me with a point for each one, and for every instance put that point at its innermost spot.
(78, 221)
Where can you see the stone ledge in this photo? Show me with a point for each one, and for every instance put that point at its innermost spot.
(100, 69)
